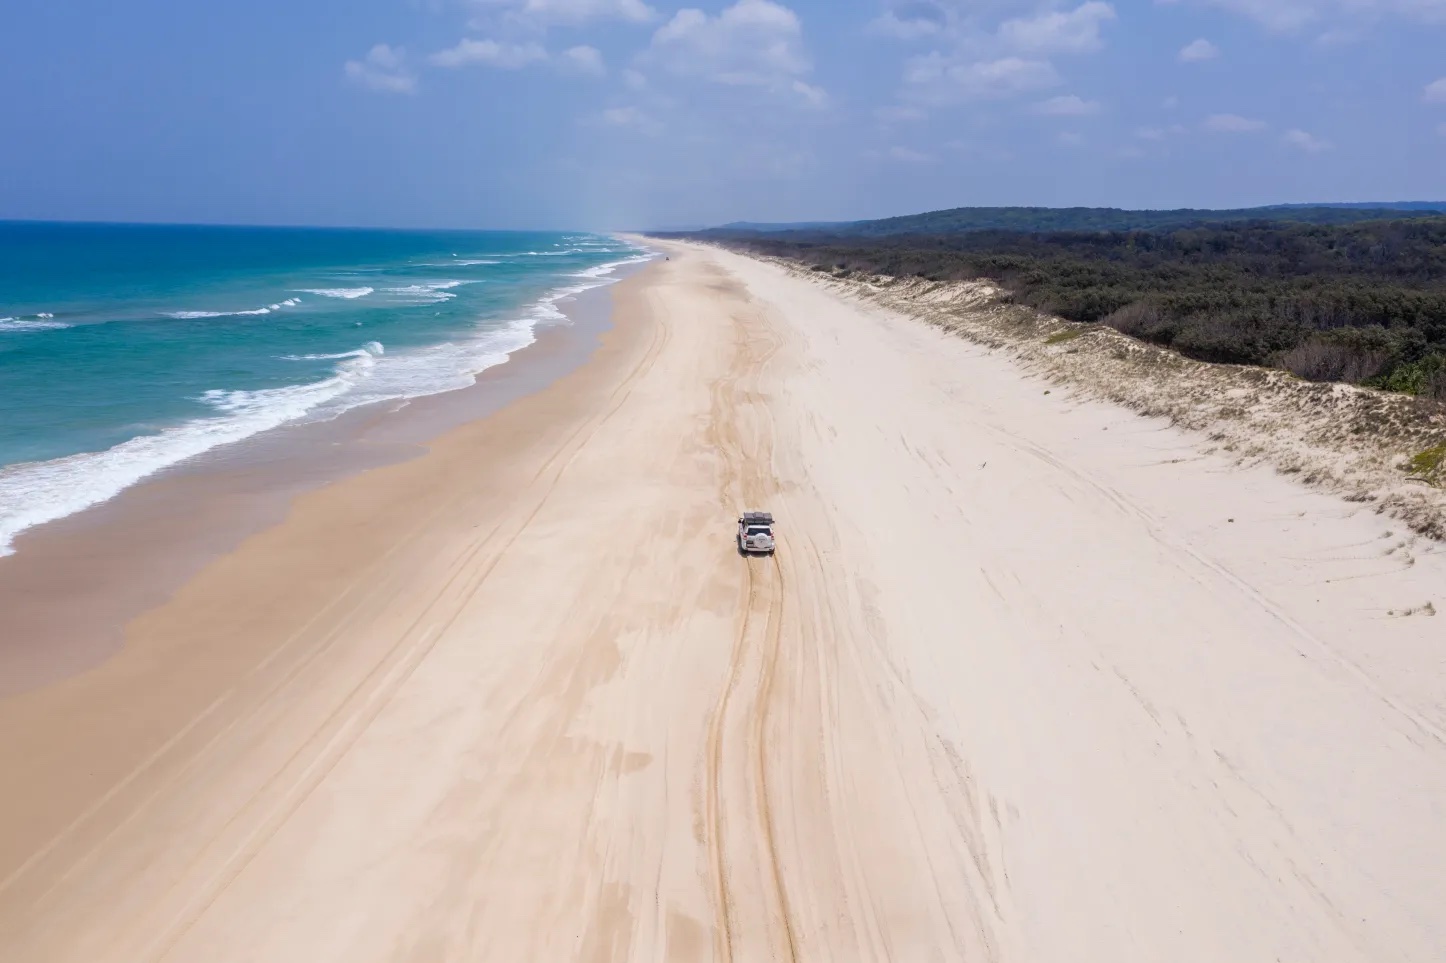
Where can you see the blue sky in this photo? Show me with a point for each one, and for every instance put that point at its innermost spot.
(626, 113)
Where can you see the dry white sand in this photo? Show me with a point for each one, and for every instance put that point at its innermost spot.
(1029, 679)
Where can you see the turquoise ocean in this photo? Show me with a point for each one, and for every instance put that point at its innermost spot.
(127, 349)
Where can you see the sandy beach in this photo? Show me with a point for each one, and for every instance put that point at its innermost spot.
(1031, 678)
(65, 603)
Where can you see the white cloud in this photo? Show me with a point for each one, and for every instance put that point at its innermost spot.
(934, 78)
(910, 156)
(987, 149)
(1306, 142)
(623, 116)
(1160, 133)
(543, 12)
(770, 161)
(913, 19)
(893, 25)
(635, 80)
(899, 114)
(752, 43)
(1287, 16)
(1231, 124)
(383, 68)
(1075, 31)
(1198, 50)
(1068, 105)
(629, 118)
(581, 59)
(1435, 92)
(810, 95)
(584, 60)
(1337, 37)
(1281, 15)
(506, 56)
(1014, 59)
(1029, 26)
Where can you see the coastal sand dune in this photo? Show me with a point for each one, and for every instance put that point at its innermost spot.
(1030, 679)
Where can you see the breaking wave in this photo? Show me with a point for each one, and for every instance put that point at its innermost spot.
(349, 294)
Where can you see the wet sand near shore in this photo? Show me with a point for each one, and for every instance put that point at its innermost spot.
(68, 593)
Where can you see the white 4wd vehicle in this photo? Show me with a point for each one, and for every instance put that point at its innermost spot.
(755, 533)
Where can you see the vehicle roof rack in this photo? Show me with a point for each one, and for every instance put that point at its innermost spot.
(757, 518)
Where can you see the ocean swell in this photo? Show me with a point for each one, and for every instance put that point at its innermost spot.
(348, 294)
(39, 322)
(35, 492)
(32, 493)
(197, 315)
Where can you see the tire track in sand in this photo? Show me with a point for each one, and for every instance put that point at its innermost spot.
(723, 938)
(742, 432)
(762, 602)
(764, 703)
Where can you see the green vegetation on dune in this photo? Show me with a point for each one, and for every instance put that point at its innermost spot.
(1363, 303)
(1429, 463)
(1060, 337)
(1046, 219)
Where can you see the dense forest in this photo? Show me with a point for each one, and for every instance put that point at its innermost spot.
(1038, 219)
(1363, 303)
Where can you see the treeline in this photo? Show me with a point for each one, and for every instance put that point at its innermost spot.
(1047, 219)
(1364, 303)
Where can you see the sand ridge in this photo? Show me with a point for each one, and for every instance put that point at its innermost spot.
(1030, 678)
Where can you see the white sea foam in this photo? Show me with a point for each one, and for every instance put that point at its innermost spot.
(31, 324)
(371, 348)
(546, 309)
(347, 293)
(603, 270)
(36, 492)
(197, 315)
(434, 369)
(426, 287)
(426, 292)
(194, 315)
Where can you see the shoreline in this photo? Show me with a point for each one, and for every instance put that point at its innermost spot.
(73, 584)
(294, 604)
(1028, 674)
